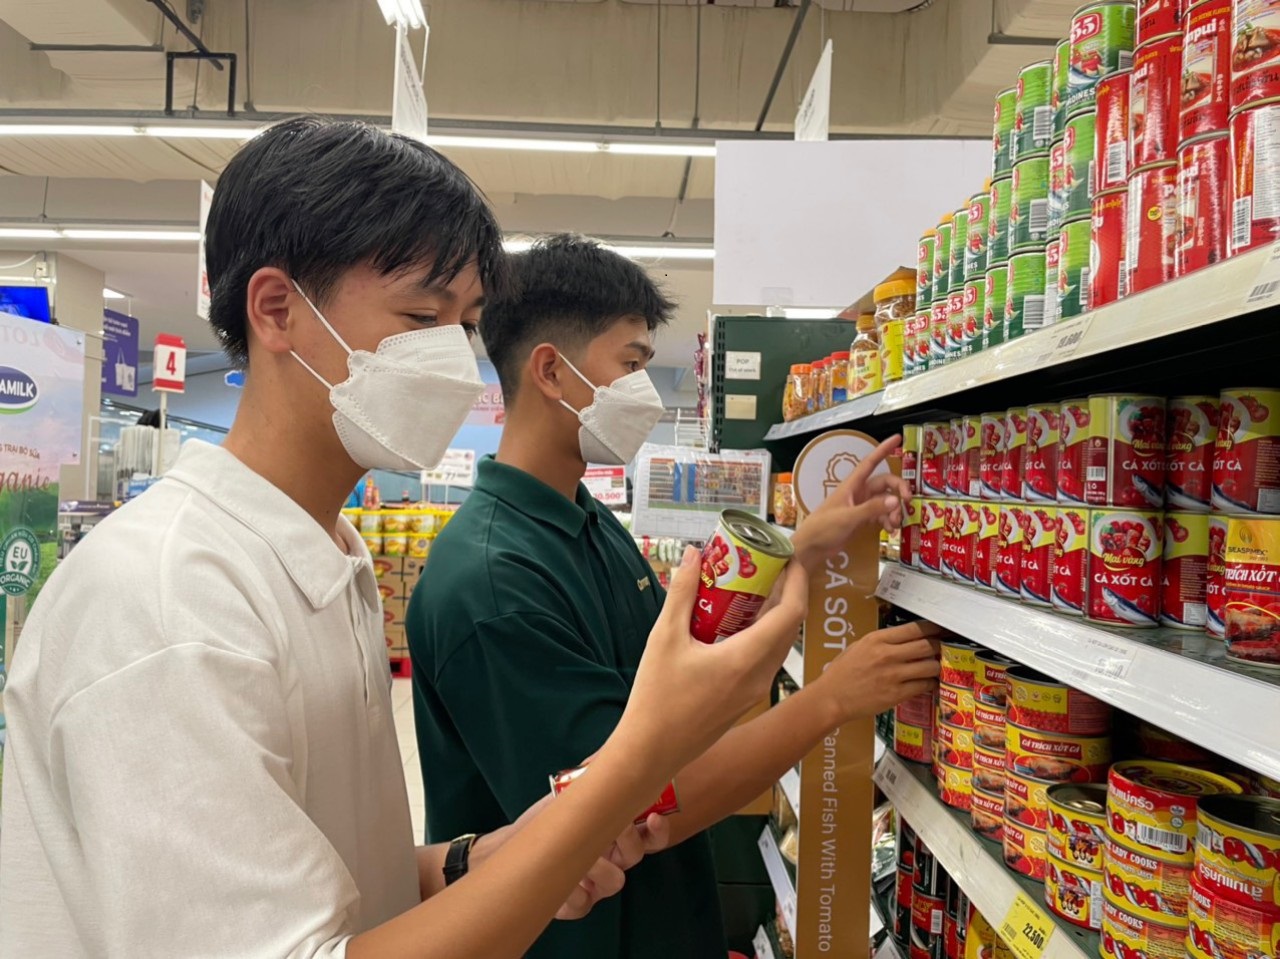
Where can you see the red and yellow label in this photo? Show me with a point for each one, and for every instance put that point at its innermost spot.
(1251, 584)
(955, 786)
(955, 745)
(736, 578)
(1238, 863)
(1073, 893)
(1076, 836)
(959, 662)
(1050, 758)
(1126, 936)
(1152, 805)
(1024, 850)
(1144, 885)
(988, 770)
(1218, 928)
(1026, 801)
(955, 705)
(1037, 703)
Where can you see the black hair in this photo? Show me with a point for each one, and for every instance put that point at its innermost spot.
(566, 289)
(317, 197)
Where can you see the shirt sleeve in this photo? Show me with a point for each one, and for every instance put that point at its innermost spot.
(528, 700)
(176, 772)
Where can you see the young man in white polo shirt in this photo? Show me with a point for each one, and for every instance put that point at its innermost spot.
(201, 756)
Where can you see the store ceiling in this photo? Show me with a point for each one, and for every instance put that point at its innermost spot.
(493, 65)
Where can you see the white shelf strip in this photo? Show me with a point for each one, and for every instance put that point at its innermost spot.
(780, 879)
(790, 783)
(858, 409)
(764, 950)
(1179, 680)
(793, 666)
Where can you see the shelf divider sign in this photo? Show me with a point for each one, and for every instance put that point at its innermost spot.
(204, 295)
(169, 364)
(813, 119)
(408, 101)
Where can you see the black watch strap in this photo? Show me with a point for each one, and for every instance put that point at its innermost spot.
(458, 858)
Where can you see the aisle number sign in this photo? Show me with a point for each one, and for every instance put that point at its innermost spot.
(169, 364)
(1025, 928)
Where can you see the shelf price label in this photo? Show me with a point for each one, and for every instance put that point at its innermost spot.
(887, 774)
(1066, 340)
(1025, 928)
(762, 946)
(1102, 656)
(891, 583)
(1266, 287)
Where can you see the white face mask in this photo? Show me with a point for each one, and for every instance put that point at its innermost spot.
(399, 407)
(619, 419)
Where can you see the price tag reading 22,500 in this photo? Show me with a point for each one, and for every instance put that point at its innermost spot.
(1026, 929)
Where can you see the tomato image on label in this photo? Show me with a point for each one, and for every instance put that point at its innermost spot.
(1246, 458)
(1192, 432)
(1125, 457)
(1184, 568)
(1071, 539)
(1124, 568)
(1040, 459)
(1215, 576)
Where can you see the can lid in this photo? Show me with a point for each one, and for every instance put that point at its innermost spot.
(928, 233)
(893, 288)
(757, 533)
(784, 477)
(819, 364)
(798, 367)
(1254, 813)
(840, 355)
(946, 218)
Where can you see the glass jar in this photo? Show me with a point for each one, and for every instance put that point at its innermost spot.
(795, 396)
(784, 501)
(839, 376)
(895, 303)
(864, 358)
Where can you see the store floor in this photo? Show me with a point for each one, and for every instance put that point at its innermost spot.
(402, 706)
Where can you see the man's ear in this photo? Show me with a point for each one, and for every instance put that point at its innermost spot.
(545, 370)
(269, 300)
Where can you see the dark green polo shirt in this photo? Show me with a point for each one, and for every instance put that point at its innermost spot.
(525, 634)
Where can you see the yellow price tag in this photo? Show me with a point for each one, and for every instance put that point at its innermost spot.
(1025, 928)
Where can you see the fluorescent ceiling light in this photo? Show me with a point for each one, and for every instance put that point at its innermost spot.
(68, 130)
(630, 251)
(203, 133)
(25, 233)
(810, 313)
(110, 294)
(72, 233)
(404, 12)
(537, 144)
(662, 149)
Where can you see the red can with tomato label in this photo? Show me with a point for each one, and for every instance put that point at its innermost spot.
(1111, 143)
(913, 722)
(740, 563)
(1218, 927)
(909, 538)
(1255, 55)
(1153, 100)
(955, 440)
(1246, 454)
(991, 456)
(935, 452)
(1184, 567)
(1152, 219)
(1024, 850)
(1255, 190)
(985, 555)
(1038, 536)
(949, 538)
(1071, 541)
(1125, 456)
(1073, 442)
(1206, 69)
(1203, 166)
(1040, 461)
(1108, 271)
(667, 802)
(1193, 429)
(966, 521)
(1015, 446)
(933, 521)
(1216, 576)
(966, 455)
(1009, 550)
(1124, 567)
(1158, 17)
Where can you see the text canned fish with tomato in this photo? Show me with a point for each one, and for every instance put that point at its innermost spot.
(933, 518)
(986, 552)
(1009, 550)
(1124, 568)
(1073, 441)
(1015, 447)
(991, 455)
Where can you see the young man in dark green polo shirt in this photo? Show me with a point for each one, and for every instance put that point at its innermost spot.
(530, 621)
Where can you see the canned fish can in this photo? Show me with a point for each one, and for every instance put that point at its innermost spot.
(985, 554)
(740, 563)
(989, 728)
(1046, 757)
(935, 443)
(1218, 927)
(1033, 114)
(955, 325)
(986, 815)
(1237, 853)
(955, 705)
(1006, 108)
(989, 772)
(1184, 567)
(1124, 568)
(909, 539)
(982, 941)
(1073, 440)
(911, 440)
(975, 248)
(937, 339)
(942, 257)
(955, 787)
(965, 451)
(1052, 258)
(1059, 80)
(1077, 824)
(1057, 185)
(1024, 305)
(1153, 742)
(990, 455)
(925, 251)
(665, 805)
(1024, 850)
(1151, 806)
(991, 680)
(1151, 231)
(948, 538)
(959, 662)
(1040, 702)
(1040, 460)
(1125, 455)
(913, 724)
(1070, 550)
(951, 945)
(1009, 550)
(1102, 36)
(1153, 100)
(1215, 585)
(972, 316)
(1111, 139)
(1079, 144)
(1029, 206)
(1108, 270)
(1025, 800)
(1072, 893)
(1251, 591)
(1015, 446)
(1073, 280)
(933, 519)
(1126, 936)
(902, 906)
(959, 247)
(918, 340)
(1158, 17)
(1255, 70)
(1038, 536)
(998, 219)
(1255, 192)
(1145, 885)
(1206, 69)
(928, 878)
(1193, 428)
(1246, 453)
(926, 926)
(1202, 211)
(955, 746)
(997, 282)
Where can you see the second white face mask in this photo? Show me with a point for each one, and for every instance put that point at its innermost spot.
(619, 419)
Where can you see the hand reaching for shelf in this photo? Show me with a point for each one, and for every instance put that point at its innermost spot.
(882, 669)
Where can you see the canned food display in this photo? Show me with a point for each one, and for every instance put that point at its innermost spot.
(1077, 824)
(1111, 134)
(1057, 184)
(937, 332)
(1206, 69)
(913, 722)
(1246, 454)
(990, 681)
(1009, 550)
(989, 728)
(1024, 850)
(918, 339)
(933, 521)
(971, 316)
(1154, 100)
(935, 448)
(1184, 566)
(1015, 446)
(1079, 147)
(1039, 531)
(1215, 586)
(959, 247)
(1237, 851)
(955, 325)
(1220, 928)
(1052, 257)
(993, 300)
(998, 219)
(1070, 551)
(990, 455)
(1050, 758)
(955, 705)
(975, 248)
(981, 941)
(1102, 37)
(1108, 270)
(1125, 453)
(1156, 743)
(955, 786)
(986, 815)
(1151, 234)
(902, 905)
(911, 441)
(1073, 893)
(1024, 302)
(1255, 191)
(1202, 203)
(925, 253)
(1151, 806)
(1158, 17)
(740, 564)
(1033, 114)
(1073, 442)
(926, 926)
(1145, 885)
(965, 443)
(959, 662)
(1040, 702)
(1029, 206)
(1126, 936)
(986, 553)
(928, 878)
(1255, 72)
(1123, 586)
(1251, 591)
(1040, 457)
(1075, 252)
(1006, 108)
(1192, 430)
(954, 745)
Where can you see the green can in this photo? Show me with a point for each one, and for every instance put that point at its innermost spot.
(1058, 95)
(1029, 211)
(1073, 267)
(959, 238)
(975, 248)
(1078, 195)
(924, 336)
(975, 298)
(1052, 249)
(955, 325)
(1024, 294)
(1101, 43)
(924, 268)
(998, 220)
(1002, 138)
(1033, 116)
(1057, 185)
(942, 259)
(995, 284)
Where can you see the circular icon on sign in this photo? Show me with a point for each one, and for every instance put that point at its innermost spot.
(826, 462)
(19, 561)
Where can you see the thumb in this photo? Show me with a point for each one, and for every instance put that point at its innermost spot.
(683, 591)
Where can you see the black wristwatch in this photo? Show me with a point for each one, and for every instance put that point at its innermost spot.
(458, 857)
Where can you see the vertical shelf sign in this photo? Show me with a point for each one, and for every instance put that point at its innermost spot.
(204, 295)
(408, 101)
(833, 879)
(168, 375)
(813, 119)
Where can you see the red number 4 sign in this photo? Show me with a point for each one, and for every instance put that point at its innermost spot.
(169, 363)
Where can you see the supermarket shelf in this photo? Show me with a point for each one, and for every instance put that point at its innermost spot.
(974, 863)
(793, 666)
(1179, 680)
(790, 783)
(858, 409)
(779, 878)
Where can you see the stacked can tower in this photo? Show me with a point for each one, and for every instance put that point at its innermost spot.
(953, 729)
(1074, 841)
(990, 701)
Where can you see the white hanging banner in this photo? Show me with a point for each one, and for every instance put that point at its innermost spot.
(203, 294)
(813, 119)
(408, 101)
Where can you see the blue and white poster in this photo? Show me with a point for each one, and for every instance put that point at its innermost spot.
(119, 354)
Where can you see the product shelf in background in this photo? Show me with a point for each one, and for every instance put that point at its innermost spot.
(1179, 680)
(973, 863)
(783, 887)
(840, 415)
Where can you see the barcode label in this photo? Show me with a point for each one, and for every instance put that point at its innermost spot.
(1124, 61)
(1165, 839)
(1263, 291)
(1042, 124)
(1096, 474)
(935, 922)
(1241, 222)
(1122, 280)
(1032, 312)
(1117, 162)
(1038, 217)
(1084, 288)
